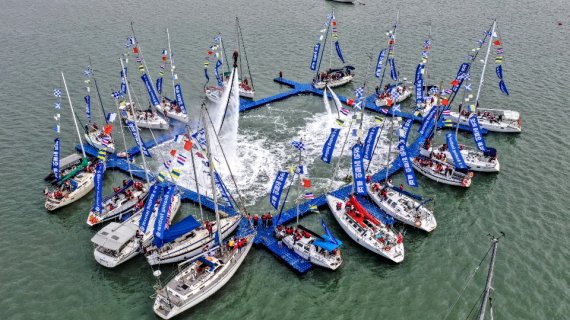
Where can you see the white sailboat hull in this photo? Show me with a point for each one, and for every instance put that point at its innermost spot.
(154, 122)
(475, 160)
(441, 178)
(331, 261)
(180, 116)
(395, 254)
(509, 124)
(86, 184)
(125, 206)
(403, 96)
(334, 83)
(94, 141)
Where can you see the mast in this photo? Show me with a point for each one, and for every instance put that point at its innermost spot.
(73, 113)
(485, 63)
(324, 45)
(214, 195)
(244, 54)
(98, 93)
(124, 142)
(299, 184)
(171, 63)
(388, 50)
(137, 44)
(390, 134)
(139, 143)
(426, 65)
(230, 83)
(330, 46)
(195, 176)
(489, 284)
(224, 56)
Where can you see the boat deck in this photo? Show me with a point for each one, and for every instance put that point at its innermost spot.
(264, 235)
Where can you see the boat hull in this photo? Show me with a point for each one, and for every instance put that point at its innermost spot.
(466, 182)
(510, 126)
(84, 188)
(334, 83)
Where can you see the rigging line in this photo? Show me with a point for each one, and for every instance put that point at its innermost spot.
(468, 281)
(227, 164)
(475, 304)
(238, 44)
(323, 51)
(245, 56)
(97, 89)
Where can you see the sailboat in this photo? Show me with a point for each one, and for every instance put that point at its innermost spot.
(402, 206)
(186, 238)
(199, 278)
(321, 250)
(119, 242)
(217, 53)
(76, 182)
(332, 77)
(391, 93)
(495, 120)
(174, 109)
(148, 119)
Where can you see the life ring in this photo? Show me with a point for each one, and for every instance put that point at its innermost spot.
(418, 223)
(471, 174)
(387, 248)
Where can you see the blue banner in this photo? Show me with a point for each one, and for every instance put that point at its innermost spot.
(98, 200)
(163, 211)
(338, 52)
(153, 194)
(499, 71)
(123, 82)
(159, 85)
(88, 106)
(406, 128)
(328, 232)
(370, 142)
(407, 165)
(428, 120)
(55, 159)
(222, 188)
(316, 50)
(277, 188)
(358, 170)
(420, 90)
(180, 98)
(393, 72)
(419, 69)
(328, 147)
(503, 87)
(461, 73)
(217, 72)
(150, 89)
(206, 75)
(453, 148)
(477, 135)
(379, 63)
(138, 140)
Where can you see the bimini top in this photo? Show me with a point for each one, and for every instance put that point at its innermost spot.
(114, 235)
(326, 243)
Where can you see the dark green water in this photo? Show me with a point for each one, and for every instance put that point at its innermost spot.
(46, 259)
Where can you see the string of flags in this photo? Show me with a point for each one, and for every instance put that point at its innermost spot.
(88, 73)
(214, 53)
(499, 59)
(57, 108)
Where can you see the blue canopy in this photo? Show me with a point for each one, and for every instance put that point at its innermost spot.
(207, 262)
(184, 226)
(326, 243)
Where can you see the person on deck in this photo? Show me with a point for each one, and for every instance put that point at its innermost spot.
(269, 219)
(264, 220)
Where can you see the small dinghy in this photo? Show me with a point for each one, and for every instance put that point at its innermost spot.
(402, 207)
(365, 229)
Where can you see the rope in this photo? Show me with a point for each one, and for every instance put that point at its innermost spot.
(244, 53)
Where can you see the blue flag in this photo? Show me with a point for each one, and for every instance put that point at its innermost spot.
(88, 106)
(206, 75)
(379, 63)
(316, 50)
(428, 120)
(223, 189)
(499, 71)
(405, 132)
(453, 148)
(98, 199)
(358, 170)
(328, 232)
(217, 72)
(163, 212)
(123, 82)
(419, 82)
(277, 188)
(329, 145)
(55, 158)
(159, 85)
(477, 135)
(370, 142)
(153, 194)
(461, 74)
(503, 87)
(393, 72)
(180, 98)
(150, 89)
(407, 165)
(138, 140)
(338, 52)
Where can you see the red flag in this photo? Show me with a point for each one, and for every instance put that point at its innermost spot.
(400, 238)
(388, 102)
(187, 145)
(445, 102)
(199, 155)
(454, 82)
(306, 183)
(173, 152)
(334, 23)
(350, 102)
(210, 53)
(497, 42)
(108, 129)
(163, 58)
(135, 50)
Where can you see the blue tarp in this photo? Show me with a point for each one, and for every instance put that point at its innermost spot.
(174, 231)
(327, 244)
